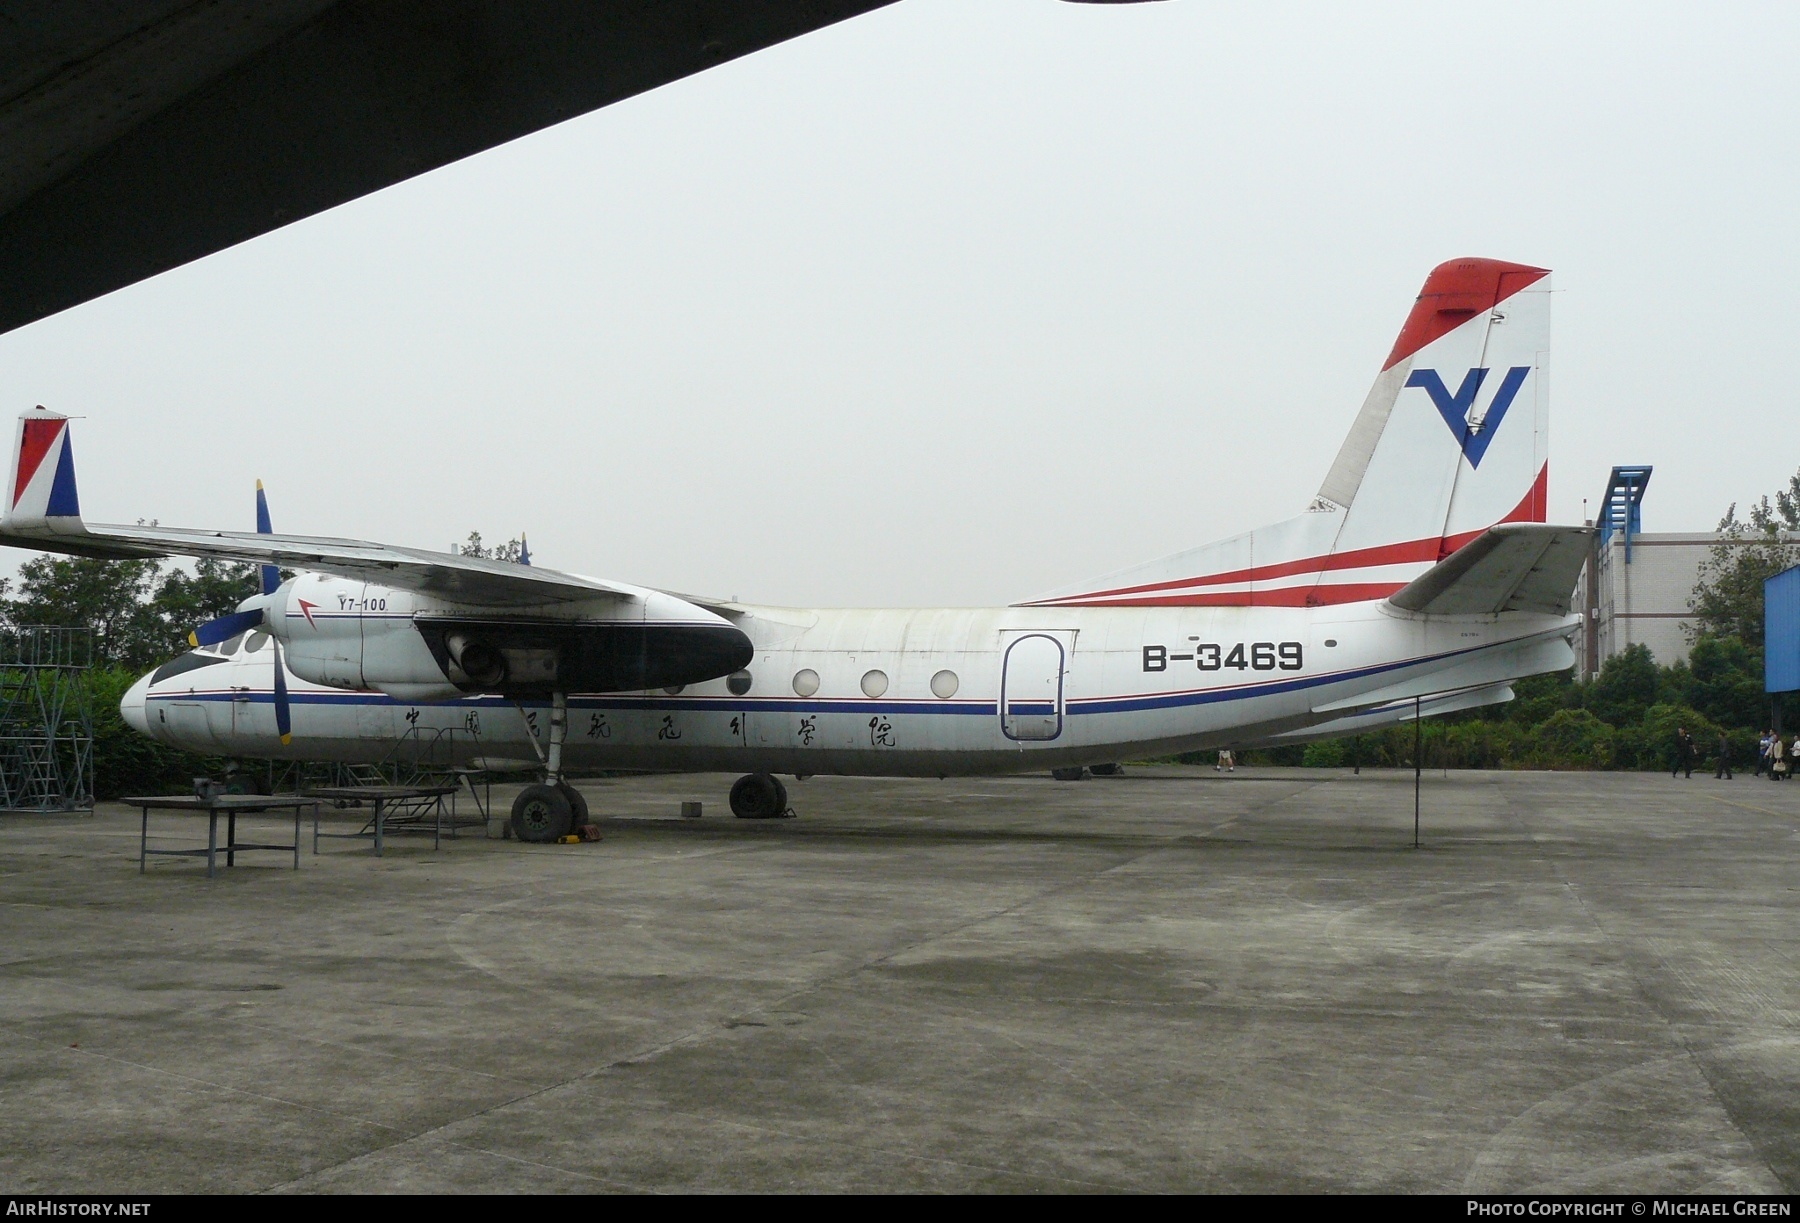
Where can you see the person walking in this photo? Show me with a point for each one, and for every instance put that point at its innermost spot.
(1778, 765)
(1684, 753)
(1724, 769)
(1762, 752)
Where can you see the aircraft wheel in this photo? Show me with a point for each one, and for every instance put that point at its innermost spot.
(758, 796)
(578, 806)
(541, 814)
(1074, 774)
(1107, 770)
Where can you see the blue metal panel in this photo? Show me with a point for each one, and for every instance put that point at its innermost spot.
(1620, 507)
(1781, 632)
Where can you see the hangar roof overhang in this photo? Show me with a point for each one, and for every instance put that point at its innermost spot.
(135, 138)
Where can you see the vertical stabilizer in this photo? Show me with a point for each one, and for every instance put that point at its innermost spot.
(42, 497)
(1452, 439)
(1454, 435)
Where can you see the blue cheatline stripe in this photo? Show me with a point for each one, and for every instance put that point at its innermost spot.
(751, 704)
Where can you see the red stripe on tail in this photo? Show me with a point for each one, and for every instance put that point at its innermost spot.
(36, 443)
(1453, 294)
(1532, 508)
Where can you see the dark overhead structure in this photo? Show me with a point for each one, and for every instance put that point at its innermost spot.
(137, 137)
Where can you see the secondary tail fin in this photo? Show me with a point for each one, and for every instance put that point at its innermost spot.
(1452, 439)
(42, 497)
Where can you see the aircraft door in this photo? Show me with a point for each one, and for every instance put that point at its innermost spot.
(187, 723)
(1031, 688)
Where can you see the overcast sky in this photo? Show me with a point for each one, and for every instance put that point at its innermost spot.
(964, 299)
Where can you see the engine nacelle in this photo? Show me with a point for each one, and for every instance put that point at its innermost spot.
(355, 635)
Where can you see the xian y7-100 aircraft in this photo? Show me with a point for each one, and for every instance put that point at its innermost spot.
(1422, 577)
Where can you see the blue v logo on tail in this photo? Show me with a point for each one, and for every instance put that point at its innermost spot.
(1472, 435)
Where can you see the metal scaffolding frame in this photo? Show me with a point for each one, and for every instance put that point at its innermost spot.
(46, 720)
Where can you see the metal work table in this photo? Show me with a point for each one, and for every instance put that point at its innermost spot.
(228, 805)
(381, 797)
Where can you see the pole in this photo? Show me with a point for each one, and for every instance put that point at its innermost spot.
(1418, 762)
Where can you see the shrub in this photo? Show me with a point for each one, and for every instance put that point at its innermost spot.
(1573, 738)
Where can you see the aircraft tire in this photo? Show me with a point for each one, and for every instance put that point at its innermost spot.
(541, 815)
(1074, 774)
(758, 796)
(578, 804)
(1107, 770)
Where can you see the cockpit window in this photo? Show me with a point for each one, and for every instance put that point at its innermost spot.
(257, 641)
(231, 647)
(191, 661)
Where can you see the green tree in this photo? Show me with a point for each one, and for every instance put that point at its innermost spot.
(109, 597)
(512, 550)
(214, 589)
(1625, 687)
(140, 614)
(1726, 682)
(1728, 597)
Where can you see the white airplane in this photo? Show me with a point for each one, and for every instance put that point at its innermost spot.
(1422, 578)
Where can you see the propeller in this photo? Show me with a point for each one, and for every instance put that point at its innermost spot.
(271, 582)
(271, 574)
(226, 627)
(284, 719)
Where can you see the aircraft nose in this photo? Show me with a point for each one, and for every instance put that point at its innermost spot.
(131, 706)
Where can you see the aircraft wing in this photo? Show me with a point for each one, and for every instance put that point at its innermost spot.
(468, 579)
(1516, 567)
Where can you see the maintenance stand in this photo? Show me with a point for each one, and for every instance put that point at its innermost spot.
(46, 720)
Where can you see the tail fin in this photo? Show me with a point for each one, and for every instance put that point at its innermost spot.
(42, 498)
(1452, 439)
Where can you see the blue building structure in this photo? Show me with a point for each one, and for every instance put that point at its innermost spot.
(1620, 506)
(1781, 632)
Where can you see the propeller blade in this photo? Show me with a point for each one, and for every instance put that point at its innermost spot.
(271, 575)
(284, 722)
(215, 631)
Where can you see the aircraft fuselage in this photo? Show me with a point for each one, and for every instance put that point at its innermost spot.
(905, 692)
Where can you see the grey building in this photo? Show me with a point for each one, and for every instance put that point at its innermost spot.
(1640, 598)
(1636, 587)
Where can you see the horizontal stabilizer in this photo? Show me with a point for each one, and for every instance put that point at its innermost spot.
(1533, 655)
(1394, 713)
(1515, 567)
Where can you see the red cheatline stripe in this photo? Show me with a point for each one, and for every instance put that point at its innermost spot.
(1530, 509)
(1454, 293)
(39, 434)
(1282, 596)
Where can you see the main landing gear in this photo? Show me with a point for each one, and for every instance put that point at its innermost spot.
(759, 796)
(547, 812)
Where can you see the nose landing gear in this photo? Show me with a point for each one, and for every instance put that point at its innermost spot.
(759, 796)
